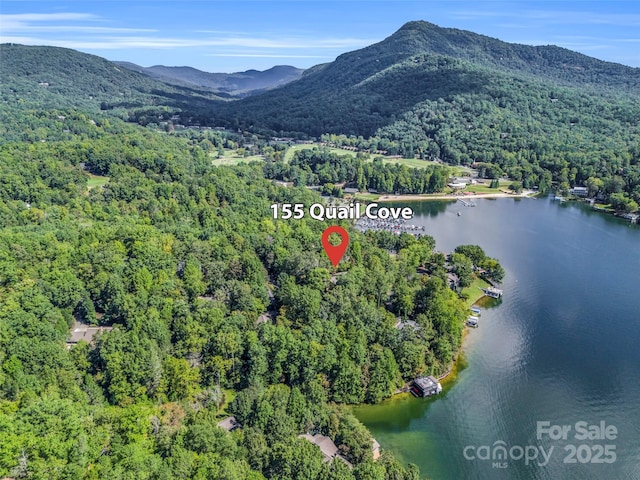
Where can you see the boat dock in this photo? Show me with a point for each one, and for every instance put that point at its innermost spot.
(492, 292)
(396, 226)
(425, 386)
(467, 203)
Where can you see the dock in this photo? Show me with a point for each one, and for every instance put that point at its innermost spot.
(467, 203)
(493, 292)
(396, 226)
(425, 386)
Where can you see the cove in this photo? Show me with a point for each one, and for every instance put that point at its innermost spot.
(561, 347)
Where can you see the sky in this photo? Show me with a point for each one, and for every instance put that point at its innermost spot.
(232, 36)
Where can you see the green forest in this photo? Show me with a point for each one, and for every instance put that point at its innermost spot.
(113, 215)
(322, 167)
(215, 309)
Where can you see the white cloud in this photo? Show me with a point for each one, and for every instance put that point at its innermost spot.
(262, 55)
(554, 17)
(45, 29)
(120, 42)
(74, 29)
(46, 17)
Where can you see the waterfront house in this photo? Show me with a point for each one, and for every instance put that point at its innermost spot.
(327, 447)
(579, 191)
(425, 386)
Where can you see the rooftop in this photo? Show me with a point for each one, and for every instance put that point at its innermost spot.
(83, 331)
(229, 424)
(425, 382)
(328, 448)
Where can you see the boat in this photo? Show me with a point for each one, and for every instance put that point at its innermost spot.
(459, 214)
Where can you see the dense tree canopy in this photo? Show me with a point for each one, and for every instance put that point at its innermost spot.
(208, 298)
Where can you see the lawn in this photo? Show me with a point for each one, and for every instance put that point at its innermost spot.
(474, 291)
(369, 197)
(409, 162)
(96, 181)
(288, 154)
(229, 395)
(230, 157)
(478, 188)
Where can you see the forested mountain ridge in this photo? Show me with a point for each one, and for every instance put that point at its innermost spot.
(54, 77)
(245, 83)
(366, 89)
(545, 116)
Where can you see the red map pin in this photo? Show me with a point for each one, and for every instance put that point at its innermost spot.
(335, 252)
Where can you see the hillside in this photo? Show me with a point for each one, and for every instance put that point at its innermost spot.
(364, 90)
(182, 267)
(544, 116)
(52, 77)
(237, 84)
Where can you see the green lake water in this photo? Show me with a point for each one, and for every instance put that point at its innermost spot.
(563, 346)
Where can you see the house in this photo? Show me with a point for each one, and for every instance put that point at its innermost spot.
(229, 424)
(83, 331)
(327, 447)
(350, 190)
(454, 280)
(425, 386)
(400, 325)
(457, 185)
(579, 191)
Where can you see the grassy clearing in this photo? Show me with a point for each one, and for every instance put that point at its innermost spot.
(230, 157)
(409, 162)
(369, 197)
(229, 395)
(478, 188)
(96, 181)
(474, 291)
(288, 155)
(606, 207)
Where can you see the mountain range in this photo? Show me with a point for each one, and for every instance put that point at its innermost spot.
(369, 88)
(245, 83)
(539, 114)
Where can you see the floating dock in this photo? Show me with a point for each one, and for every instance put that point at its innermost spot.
(467, 203)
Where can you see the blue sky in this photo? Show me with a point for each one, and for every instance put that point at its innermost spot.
(228, 36)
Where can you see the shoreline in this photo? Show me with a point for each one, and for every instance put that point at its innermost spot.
(453, 366)
(449, 196)
(460, 352)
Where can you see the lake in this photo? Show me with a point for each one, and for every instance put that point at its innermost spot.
(562, 347)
